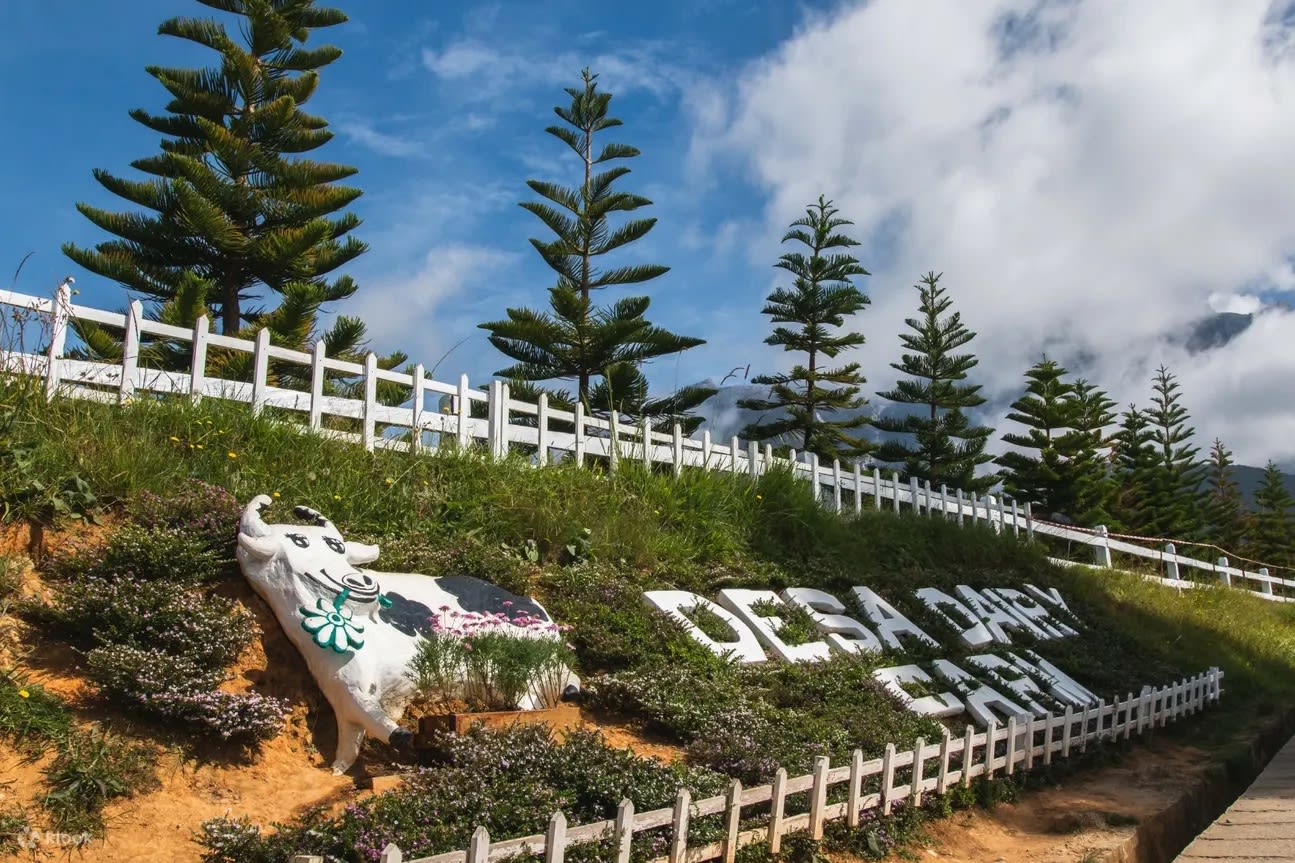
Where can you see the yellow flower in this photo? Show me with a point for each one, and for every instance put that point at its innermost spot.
(656, 512)
(759, 497)
(199, 446)
(337, 497)
(232, 454)
(389, 480)
(22, 693)
(276, 494)
(174, 438)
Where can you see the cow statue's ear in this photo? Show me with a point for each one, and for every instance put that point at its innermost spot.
(359, 552)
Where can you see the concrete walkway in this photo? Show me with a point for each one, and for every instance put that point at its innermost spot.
(1260, 825)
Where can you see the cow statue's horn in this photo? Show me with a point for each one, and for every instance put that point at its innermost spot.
(254, 535)
(312, 514)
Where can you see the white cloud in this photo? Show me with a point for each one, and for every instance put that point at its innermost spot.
(1087, 174)
(380, 142)
(415, 312)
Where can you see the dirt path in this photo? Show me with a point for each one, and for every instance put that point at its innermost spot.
(1087, 816)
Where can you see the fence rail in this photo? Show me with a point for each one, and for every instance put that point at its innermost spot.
(549, 432)
(927, 768)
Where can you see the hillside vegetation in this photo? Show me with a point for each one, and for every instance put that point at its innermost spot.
(587, 544)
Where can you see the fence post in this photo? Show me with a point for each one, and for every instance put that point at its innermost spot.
(1016, 525)
(944, 501)
(912, 491)
(812, 458)
(579, 445)
(419, 396)
(818, 798)
(732, 820)
(1002, 515)
(991, 747)
(261, 370)
(942, 780)
(555, 838)
(856, 789)
(753, 459)
(732, 451)
(624, 830)
(975, 512)
(130, 352)
(1029, 522)
(876, 488)
(968, 753)
(1011, 745)
(679, 834)
(777, 807)
(894, 488)
(887, 777)
(705, 449)
(647, 442)
(59, 314)
(677, 449)
(1171, 566)
(1028, 739)
(958, 495)
(613, 452)
(858, 489)
(1265, 586)
(465, 414)
(1102, 549)
(927, 489)
(836, 484)
(479, 846)
(1069, 719)
(370, 397)
(915, 786)
(1224, 575)
(317, 385)
(494, 417)
(768, 457)
(198, 359)
(542, 429)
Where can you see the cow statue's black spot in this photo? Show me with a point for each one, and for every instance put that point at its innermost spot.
(408, 616)
(412, 617)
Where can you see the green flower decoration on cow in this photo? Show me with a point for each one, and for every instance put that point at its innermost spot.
(331, 624)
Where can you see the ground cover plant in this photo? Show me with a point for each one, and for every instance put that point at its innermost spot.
(588, 543)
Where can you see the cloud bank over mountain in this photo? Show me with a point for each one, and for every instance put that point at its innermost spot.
(1093, 177)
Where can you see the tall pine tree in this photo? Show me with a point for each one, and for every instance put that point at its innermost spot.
(1224, 510)
(1045, 412)
(816, 306)
(1136, 462)
(945, 447)
(231, 216)
(1273, 538)
(577, 340)
(1086, 472)
(1175, 483)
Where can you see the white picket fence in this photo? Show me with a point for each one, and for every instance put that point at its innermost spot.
(548, 432)
(1022, 743)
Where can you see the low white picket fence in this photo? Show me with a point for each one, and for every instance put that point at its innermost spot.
(576, 435)
(870, 785)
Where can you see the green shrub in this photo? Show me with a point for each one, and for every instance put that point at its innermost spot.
(158, 553)
(510, 781)
(196, 509)
(13, 828)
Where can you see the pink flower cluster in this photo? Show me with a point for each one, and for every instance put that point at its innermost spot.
(467, 624)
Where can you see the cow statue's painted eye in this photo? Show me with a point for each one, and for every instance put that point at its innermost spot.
(298, 540)
(335, 545)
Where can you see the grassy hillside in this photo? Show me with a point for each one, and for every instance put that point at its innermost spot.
(587, 544)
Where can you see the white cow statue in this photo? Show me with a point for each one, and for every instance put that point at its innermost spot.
(358, 629)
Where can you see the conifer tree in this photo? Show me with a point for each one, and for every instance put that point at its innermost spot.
(816, 306)
(1273, 538)
(1224, 510)
(231, 216)
(1087, 472)
(1046, 412)
(1175, 484)
(944, 448)
(577, 340)
(1136, 462)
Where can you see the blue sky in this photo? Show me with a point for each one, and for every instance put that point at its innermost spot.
(1093, 177)
(442, 110)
